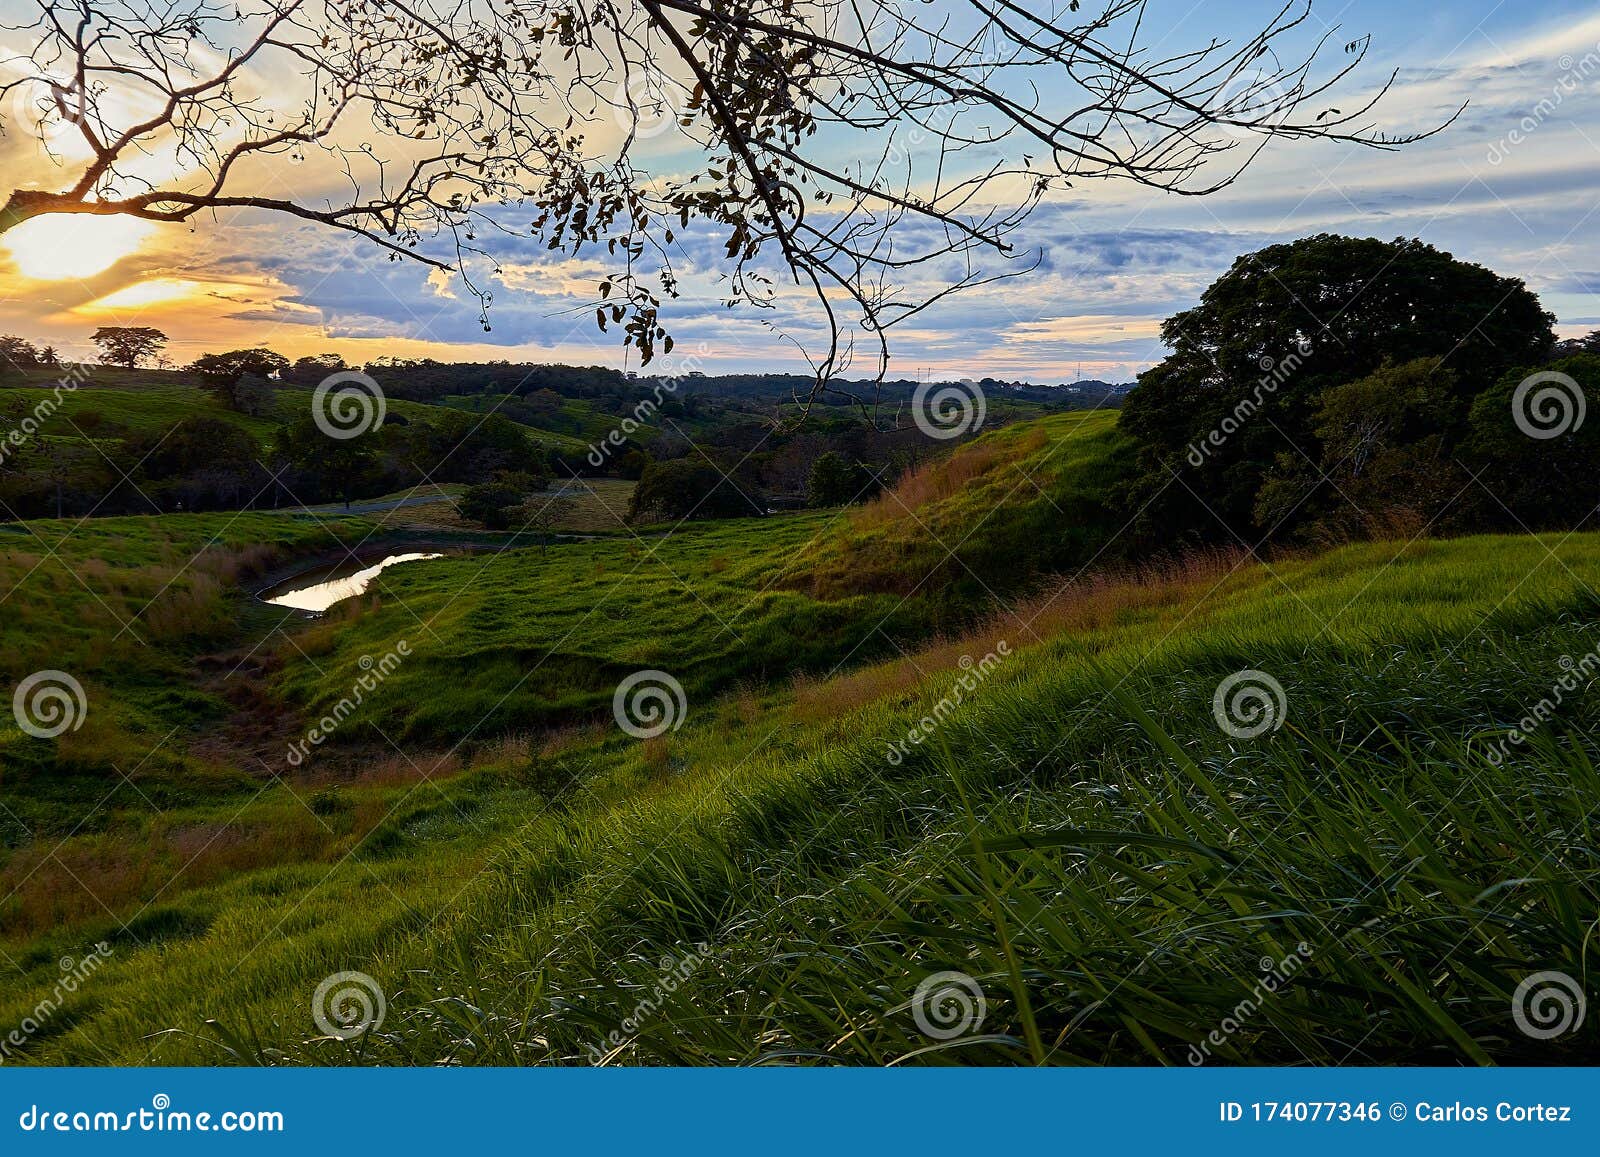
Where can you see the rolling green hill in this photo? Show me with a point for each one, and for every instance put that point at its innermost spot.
(1124, 863)
(862, 789)
(152, 401)
(1022, 501)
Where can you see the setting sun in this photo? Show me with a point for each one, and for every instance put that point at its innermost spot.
(55, 248)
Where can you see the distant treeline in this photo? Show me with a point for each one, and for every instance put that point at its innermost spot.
(426, 380)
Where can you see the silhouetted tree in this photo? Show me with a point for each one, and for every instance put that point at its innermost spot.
(18, 353)
(217, 370)
(128, 346)
(308, 371)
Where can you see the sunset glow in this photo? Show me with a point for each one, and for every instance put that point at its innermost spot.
(56, 248)
(157, 291)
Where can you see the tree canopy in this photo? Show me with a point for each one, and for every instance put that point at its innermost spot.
(129, 346)
(1251, 362)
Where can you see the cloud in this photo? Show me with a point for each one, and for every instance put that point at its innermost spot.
(1113, 259)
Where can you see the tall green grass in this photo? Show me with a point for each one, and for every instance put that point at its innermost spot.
(1080, 838)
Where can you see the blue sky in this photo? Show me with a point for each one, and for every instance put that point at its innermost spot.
(1512, 185)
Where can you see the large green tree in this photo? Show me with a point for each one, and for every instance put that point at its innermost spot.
(336, 467)
(690, 488)
(1535, 445)
(834, 481)
(1250, 363)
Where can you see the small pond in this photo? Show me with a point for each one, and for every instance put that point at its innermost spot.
(317, 590)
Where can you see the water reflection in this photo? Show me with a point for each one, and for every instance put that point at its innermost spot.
(335, 586)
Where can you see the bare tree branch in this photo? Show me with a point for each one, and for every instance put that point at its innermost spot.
(426, 126)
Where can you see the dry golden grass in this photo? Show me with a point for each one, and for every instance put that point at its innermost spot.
(580, 506)
(944, 478)
(656, 755)
(593, 504)
(81, 880)
(197, 609)
(395, 770)
(1084, 605)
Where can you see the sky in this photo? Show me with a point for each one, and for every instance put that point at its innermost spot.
(1514, 184)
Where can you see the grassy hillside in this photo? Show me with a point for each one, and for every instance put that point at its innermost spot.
(575, 421)
(1078, 834)
(152, 401)
(124, 605)
(1022, 501)
(519, 639)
